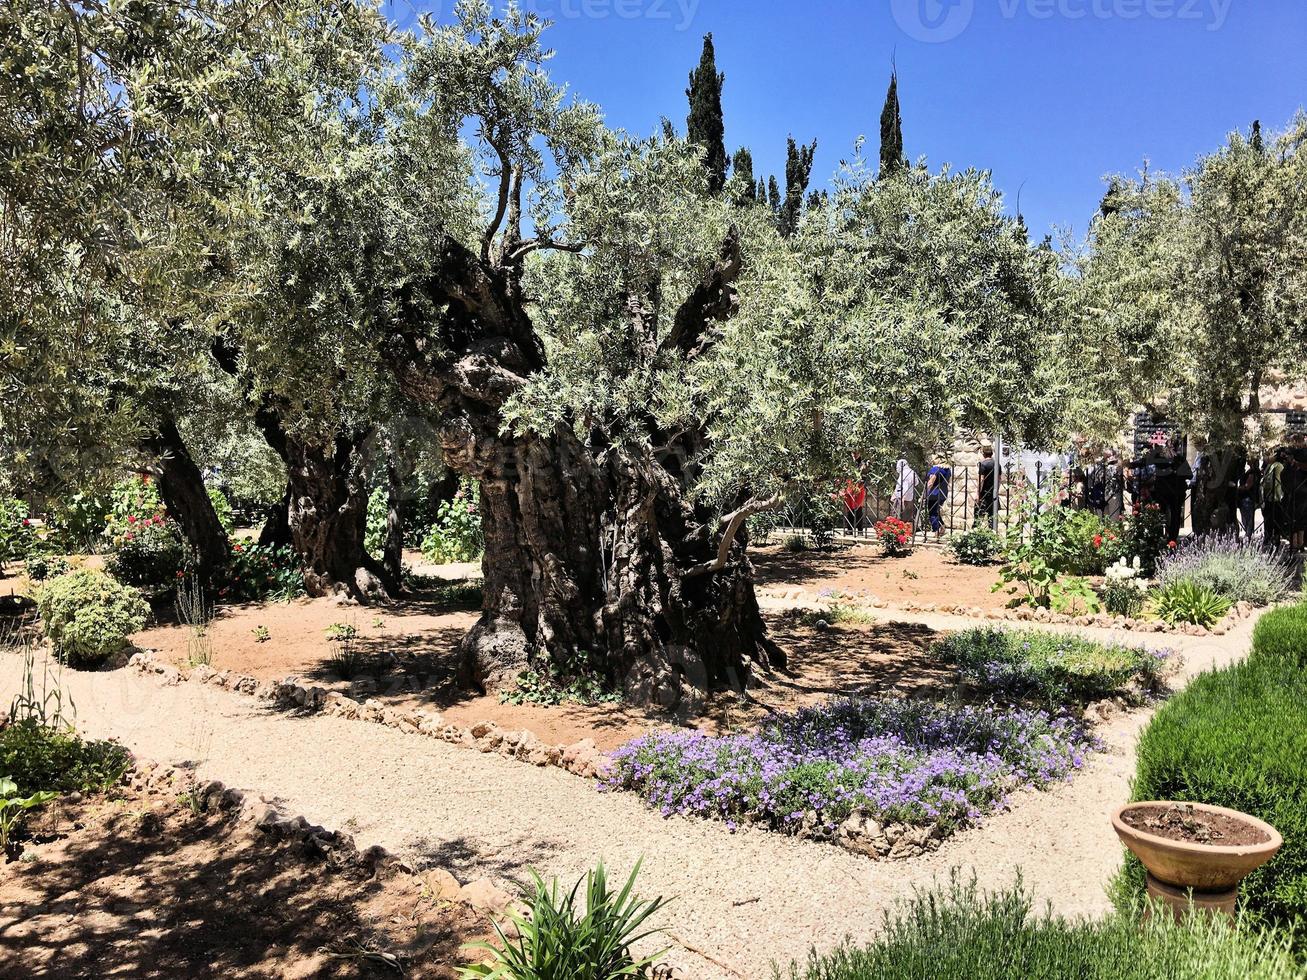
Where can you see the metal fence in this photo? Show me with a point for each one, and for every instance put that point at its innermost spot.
(1104, 487)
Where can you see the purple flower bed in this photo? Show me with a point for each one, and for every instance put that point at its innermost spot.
(895, 760)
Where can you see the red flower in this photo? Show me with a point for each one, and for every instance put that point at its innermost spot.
(1098, 541)
(27, 522)
(129, 536)
(131, 518)
(1171, 544)
(237, 547)
(180, 573)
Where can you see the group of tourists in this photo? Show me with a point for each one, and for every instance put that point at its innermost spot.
(1223, 489)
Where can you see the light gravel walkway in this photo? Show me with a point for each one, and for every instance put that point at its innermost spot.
(744, 899)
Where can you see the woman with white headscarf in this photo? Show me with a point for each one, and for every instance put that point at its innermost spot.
(904, 500)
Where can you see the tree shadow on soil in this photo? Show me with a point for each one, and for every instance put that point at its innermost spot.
(147, 888)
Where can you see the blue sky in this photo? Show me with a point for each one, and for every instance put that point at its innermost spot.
(1048, 94)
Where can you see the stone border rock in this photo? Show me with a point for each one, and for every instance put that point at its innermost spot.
(581, 758)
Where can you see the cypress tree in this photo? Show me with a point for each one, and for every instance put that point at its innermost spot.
(705, 127)
(762, 191)
(774, 196)
(891, 130)
(742, 168)
(798, 170)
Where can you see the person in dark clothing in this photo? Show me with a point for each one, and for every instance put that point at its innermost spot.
(1163, 476)
(1248, 493)
(988, 486)
(938, 479)
(1296, 491)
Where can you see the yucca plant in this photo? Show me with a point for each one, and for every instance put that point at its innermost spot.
(1185, 601)
(557, 940)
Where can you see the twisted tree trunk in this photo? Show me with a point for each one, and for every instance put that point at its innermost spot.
(184, 494)
(593, 553)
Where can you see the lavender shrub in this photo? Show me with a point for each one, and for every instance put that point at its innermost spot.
(1232, 568)
(898, 761)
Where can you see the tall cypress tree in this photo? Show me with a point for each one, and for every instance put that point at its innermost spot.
(705, 127)
(798, 171)
(891, 130)
(774, 196)
(742, 169)
(762, 191)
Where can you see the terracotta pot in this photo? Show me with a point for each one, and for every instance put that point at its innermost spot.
(1202, 867)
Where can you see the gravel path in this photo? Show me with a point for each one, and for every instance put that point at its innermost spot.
(741, 901)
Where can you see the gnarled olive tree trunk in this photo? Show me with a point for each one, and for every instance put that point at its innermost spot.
(591, 552)
(184, 494)
(326, 503)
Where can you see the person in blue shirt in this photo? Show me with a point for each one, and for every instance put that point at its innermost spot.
(937, 486)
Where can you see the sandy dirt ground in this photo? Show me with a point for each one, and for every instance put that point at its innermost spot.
(927, 575)
(742, 900)
(137, 883)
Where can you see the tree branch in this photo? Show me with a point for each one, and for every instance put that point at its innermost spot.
(505, 183)
(713, 300)
(731, 524)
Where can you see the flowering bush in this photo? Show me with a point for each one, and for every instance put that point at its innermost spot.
(895, 536)
(1053, 670)
(17, 536)
(1124, 589)
(146, 547)
(893, 759)
(1140, 534)
(1231, 567)
(979, 546)
(88, 615)
(456, 535)
(257, 571)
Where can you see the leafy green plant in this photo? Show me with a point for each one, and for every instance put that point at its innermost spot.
(1074, 596)
(558, 939)
(979, 546)
(145, 545)
(42, 567)
(1231, 567)
(1124, 590)
(577, 681)
(1185, 601)
(17, 536)
(14, 808)
(1237, 737)
(1053, 670)
(456, 534)
(39, 757)
(794, 543)
(341, 632)
(958, 931)
(258, 571)
(222, 508)
(88, 615)
(261, 634)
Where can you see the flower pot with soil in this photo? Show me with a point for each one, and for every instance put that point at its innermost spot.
(1195, 854)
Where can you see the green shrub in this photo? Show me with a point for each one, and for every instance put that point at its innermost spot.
(17, 536)
(979, 546)
(1238, 737)
(560, 940)
(960, 933)
(222, 508)
(1053, 670)
(88, 615)
(456, 535)
(258, 571)
(1185, 601)
(41, 567)
(1231, 567)
(42, 758)
(1282, 633)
